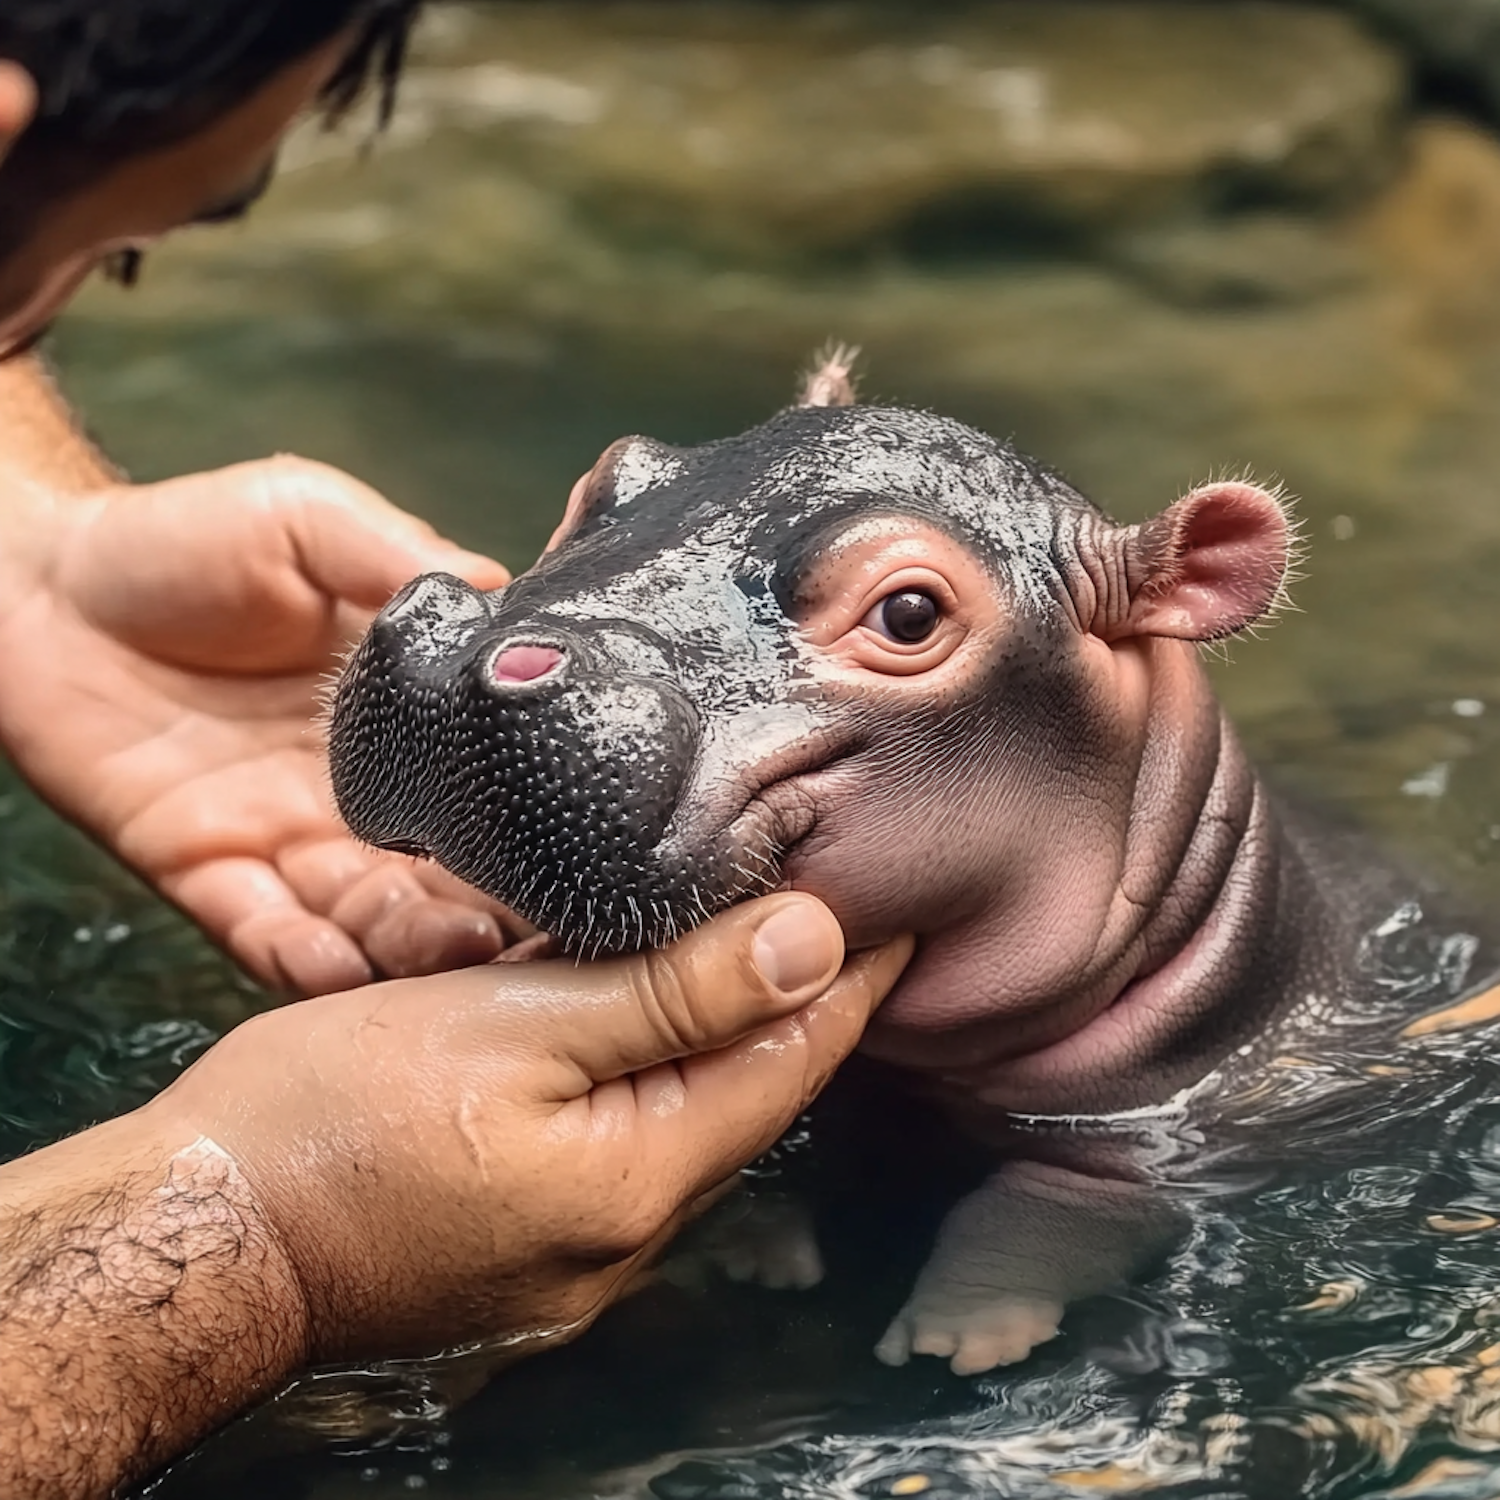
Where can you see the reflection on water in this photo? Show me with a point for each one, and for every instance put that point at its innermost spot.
(468, 318)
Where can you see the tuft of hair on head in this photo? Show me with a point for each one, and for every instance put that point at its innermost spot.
(830, 381)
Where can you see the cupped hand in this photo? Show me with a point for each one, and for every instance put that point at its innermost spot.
(489, 1155)
(165, 648)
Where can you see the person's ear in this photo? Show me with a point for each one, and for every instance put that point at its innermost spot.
(17, 104)
(1209, 565)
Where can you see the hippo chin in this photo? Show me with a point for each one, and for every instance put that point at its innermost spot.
(874, 654)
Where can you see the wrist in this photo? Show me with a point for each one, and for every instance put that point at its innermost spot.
(40, 438)
(47, 467)
(143, 1301)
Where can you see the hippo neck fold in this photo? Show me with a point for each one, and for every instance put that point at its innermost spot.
(1193, 941)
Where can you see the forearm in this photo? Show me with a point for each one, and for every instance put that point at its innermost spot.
(142, 1303)
(40, 439)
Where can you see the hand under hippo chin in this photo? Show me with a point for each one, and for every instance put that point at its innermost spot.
(877, 655)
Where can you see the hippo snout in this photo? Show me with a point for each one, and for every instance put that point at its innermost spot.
(525, 756)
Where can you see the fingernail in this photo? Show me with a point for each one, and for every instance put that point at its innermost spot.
(794, 946)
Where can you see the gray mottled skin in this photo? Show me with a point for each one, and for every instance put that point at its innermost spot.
(1108, 903)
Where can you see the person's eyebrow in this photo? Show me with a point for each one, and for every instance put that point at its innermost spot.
(239, 202)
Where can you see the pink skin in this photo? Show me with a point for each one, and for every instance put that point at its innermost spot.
(1082, 847)
(1058, 809)
(1079, 914)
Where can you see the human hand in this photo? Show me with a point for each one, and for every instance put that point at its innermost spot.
(489, 1155)
(165, 650)
(485, 1157)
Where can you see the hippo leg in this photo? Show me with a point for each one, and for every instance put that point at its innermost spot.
(1012, 1255)
(767, 1239)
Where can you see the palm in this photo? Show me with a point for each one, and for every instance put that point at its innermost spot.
(161, 689)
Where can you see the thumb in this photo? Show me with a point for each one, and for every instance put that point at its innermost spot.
(754, 965)
(353, 544)
(733, 1074)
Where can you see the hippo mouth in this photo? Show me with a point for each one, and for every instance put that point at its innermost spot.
(690, 876)
(778, 816)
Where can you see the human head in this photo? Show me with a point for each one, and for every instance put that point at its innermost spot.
(123, 119)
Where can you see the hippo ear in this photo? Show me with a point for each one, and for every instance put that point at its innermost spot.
(1207, 566)
(626, 469)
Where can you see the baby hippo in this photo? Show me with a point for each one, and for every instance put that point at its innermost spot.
(873, 654)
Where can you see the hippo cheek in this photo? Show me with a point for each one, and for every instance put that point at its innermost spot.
(886, 866)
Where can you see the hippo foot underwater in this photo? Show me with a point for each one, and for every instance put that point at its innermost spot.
(873, 654)
(1009, 1258)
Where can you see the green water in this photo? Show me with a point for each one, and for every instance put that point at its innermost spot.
(467, 334)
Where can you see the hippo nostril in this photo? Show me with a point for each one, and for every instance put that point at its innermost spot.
(525, 663)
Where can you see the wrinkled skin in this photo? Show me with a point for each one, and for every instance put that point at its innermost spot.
(701, 692)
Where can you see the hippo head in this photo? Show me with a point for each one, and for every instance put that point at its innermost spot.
(863, 651)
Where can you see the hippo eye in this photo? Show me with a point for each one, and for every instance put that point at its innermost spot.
(909, 617)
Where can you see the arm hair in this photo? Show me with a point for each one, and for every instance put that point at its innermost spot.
(136, 1314)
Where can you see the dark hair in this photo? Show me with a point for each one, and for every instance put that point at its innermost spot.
(118, 77)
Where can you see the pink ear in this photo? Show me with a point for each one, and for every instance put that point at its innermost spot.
(585, 490)
(572, 515)
(1207, 566)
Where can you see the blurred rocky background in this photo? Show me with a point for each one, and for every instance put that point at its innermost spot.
(1150, 239)
(1456, 39)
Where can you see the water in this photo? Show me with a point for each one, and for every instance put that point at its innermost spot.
(104, 994)
(468, 336)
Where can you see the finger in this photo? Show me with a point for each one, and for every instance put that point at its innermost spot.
(354, 544)
(940, 1340)
(539, 945)
(894, 1347)
(405, 931)
(323, 870)
(248, 908)
(387, 907)
(704, 1117)
(448, 887)
(431, 937)
(300, 954)
(752, 965)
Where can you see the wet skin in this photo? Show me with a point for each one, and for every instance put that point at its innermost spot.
(876, 655)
